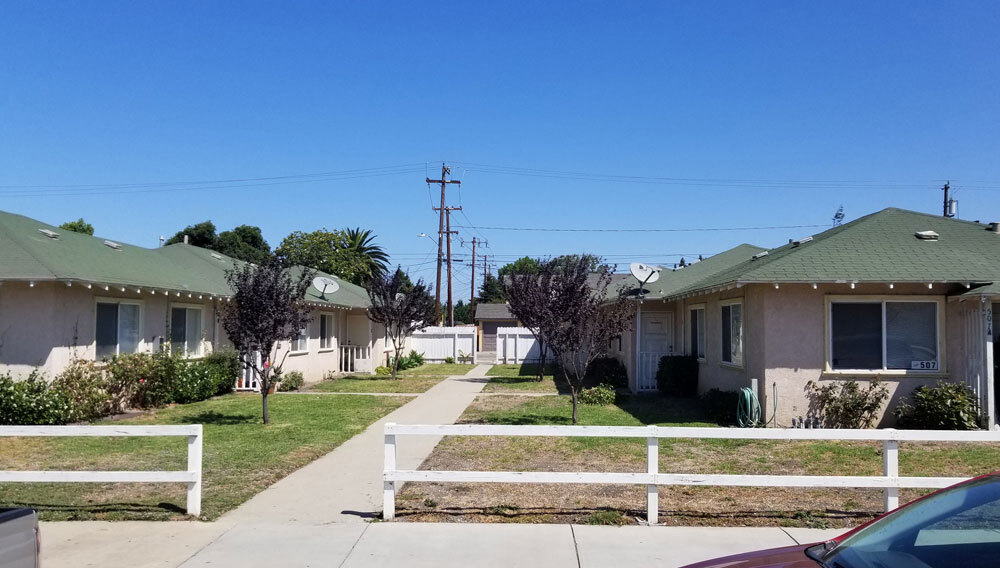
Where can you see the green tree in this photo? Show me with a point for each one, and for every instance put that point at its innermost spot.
(329, 251)
(490, 291)
(200, 235)
(463, 312)
(401, 306)
(362, 243)
(244, 243)
(523, 265)
(78, 226)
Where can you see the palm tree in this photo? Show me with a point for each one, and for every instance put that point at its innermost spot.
(363, 244)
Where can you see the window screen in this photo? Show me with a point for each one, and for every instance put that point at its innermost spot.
(856, 333)
(185, 330)
(911, 335)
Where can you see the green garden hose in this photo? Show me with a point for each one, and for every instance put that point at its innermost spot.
(747, 409)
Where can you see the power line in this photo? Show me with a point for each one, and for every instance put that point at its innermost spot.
(658, 230)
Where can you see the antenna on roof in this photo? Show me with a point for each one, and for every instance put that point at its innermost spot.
(838, 217)
(645, 274)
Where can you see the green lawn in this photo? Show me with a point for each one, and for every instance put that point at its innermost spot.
(375, 383)
(523, 378)
(241, 455)
(438, 369)
(680, 505)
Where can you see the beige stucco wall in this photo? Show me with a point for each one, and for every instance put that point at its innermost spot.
(47, 325)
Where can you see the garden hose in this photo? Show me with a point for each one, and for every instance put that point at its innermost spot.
(747, 409)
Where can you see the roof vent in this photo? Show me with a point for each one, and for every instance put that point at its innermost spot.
(927, 235)
(48, 233)
(801, 241)
(761, 254)
(995, 227)
(113, 245)
(217, 256)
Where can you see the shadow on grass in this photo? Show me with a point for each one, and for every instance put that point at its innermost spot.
(655, 409)
(528, 420)
(99, 508)
(220, 419)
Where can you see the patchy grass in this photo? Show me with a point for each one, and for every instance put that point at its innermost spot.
(525, 370)
(241, 456)
(438, 370)
(524, 379)
(374, 383)
(681, 505)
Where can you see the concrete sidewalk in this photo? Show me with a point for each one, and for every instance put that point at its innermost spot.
(345, 485)
(294, 545)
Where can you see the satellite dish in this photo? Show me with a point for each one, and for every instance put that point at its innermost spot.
(325, 284)
(645, 274)
(400, 297)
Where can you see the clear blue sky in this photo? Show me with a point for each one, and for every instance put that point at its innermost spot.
(866, 104)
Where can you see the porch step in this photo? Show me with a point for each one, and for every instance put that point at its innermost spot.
(486, 358)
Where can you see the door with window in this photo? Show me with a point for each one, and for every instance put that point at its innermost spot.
(656, 340)
(117, 328)
(185, 330)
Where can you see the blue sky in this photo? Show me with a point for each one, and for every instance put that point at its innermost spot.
(863, 104)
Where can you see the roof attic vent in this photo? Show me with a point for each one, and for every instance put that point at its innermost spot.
(759, 255)
(927, 235)
(801, 241)
(217, 256)
(994, 227)
(113, 245)
(48, 233)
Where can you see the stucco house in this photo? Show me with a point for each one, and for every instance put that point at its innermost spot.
(66, 295)
(490, 317)
(907, 297)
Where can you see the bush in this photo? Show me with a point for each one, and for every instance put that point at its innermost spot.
(410, 361)
(225, 367)
(599, 395)
(609, 371)
(84, 385)
(32, 401)
(677, 375)
(194, 381)
(291, 381)
(449, 360)
(845, 404)
(383, 371)
(947, 406)
(719, 406)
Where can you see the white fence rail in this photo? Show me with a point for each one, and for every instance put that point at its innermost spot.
(191, 476)
(356, 359)
(437, 343)
(516, 345)
(889, 481)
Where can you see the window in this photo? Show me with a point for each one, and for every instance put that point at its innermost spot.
(301, 342)
(884, 335)
(325, 331)
(698, 332)
(117, 329)
(185, 330)
(732, 333)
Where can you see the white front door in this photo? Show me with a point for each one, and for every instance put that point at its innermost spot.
(656, 340)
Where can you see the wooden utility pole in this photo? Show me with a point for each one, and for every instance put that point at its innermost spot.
(447, 234)
(947, 205)
(444, 181)
(472, 285)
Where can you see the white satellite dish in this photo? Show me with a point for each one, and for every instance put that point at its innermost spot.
(325, 284)
(644, 273)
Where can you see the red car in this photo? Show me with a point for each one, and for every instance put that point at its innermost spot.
(954, 527)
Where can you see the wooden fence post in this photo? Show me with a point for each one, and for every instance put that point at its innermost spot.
(652, 490)
(389, 487)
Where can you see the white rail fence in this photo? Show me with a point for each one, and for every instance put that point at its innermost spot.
(516, 345)
(437, 343)
(890, 481)
(649, 363)
(191, 476)
(356, 359)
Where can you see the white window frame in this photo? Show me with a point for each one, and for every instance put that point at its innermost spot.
(201, 316)
(939, 312)
(743, 344)
(691, 319)
(141, 344)
(330, 319)
(304, 332)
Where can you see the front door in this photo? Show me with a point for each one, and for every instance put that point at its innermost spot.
(656, 340)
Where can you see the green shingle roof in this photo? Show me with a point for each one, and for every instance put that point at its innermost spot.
(881, 247)
(673, 281)
(26, 253)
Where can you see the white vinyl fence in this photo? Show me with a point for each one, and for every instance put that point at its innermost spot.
(191, 476)
(516, 345)
(437, 343)
(889, 481)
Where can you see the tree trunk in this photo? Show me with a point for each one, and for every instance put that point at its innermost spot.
(573, 389)
(263, 391)
(541, 361)
(395, 361)
(575, 418)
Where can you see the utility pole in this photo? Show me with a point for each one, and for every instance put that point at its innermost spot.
(447, 234)
(444, 181)
(472, 285)
(947, 203)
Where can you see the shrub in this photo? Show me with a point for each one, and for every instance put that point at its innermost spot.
(464, 357)
(609, 371)
(141, 380)
(947, 406)
(607, 517)
(449, 360)
(845, 404)
(383, 371)
(599, 395)
(719, 406)
(677, 375)
(31, 401)
(291, 381)
(193, 382)
(410, 361)
(84, 385)
(225, 367)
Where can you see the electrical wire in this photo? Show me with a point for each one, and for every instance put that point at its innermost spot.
(658, 230)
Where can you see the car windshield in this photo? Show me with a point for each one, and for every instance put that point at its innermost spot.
(957, 527)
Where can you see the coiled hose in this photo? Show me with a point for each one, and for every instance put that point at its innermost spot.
(748, 408)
